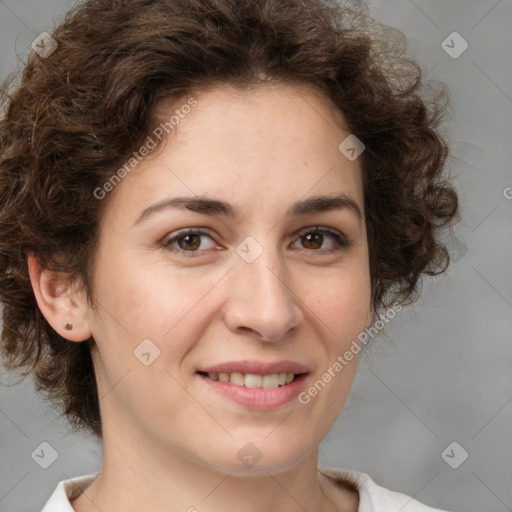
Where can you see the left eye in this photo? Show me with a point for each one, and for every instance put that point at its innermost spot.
(189, 242)
(312, 237)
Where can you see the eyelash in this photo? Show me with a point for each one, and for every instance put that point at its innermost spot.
(340, 242)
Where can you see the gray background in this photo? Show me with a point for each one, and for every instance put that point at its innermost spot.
(442, 373)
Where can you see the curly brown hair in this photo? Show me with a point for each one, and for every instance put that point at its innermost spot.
(77, 115)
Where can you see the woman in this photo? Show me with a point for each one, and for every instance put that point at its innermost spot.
(204, 205)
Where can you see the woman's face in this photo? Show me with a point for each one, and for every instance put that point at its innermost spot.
(249, 293)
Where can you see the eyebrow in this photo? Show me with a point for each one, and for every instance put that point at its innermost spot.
(210, 206)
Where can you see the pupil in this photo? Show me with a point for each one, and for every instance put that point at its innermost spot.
(308, 237)
(188, 245)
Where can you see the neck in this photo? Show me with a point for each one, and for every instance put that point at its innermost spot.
(143, 476)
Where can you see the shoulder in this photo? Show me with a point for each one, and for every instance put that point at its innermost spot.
(373, 497)
(67, 490)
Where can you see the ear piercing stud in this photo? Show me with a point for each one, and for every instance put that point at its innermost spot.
(69, 327)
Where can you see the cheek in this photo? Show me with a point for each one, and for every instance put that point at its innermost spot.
(140, 304)
(341, 303)
(165, 304)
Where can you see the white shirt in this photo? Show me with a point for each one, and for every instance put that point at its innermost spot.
(372, 497)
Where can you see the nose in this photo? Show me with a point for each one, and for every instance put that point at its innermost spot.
(261, 298)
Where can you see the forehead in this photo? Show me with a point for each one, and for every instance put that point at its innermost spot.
(276, 143)
(245, 109)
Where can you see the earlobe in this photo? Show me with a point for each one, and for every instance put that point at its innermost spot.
(64, 308)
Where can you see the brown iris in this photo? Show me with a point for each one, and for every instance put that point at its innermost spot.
(192, 245)
(308, 238)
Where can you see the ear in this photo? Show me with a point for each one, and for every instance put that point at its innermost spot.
(59, 302)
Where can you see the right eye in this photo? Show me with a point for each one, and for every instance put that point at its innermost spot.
(188, 241)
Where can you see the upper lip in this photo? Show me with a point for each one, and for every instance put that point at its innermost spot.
(256, 367)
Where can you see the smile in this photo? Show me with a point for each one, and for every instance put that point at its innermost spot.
(252, 380)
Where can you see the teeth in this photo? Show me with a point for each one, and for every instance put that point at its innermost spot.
(251, 380)
(237, 379)
(270, 381)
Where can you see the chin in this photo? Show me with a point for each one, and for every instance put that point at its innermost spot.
(261, 454)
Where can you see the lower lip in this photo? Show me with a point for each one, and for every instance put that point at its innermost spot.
(258, 398)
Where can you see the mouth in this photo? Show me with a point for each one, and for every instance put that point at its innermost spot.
(256, 385)
(253, 380)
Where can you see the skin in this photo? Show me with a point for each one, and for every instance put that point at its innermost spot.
(261, 150)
